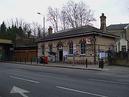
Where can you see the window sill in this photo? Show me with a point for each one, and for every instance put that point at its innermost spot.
(82, 54)
(70, 55)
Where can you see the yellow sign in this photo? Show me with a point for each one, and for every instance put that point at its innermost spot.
(5, 41)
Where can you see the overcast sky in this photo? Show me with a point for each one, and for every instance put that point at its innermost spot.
(116, 11)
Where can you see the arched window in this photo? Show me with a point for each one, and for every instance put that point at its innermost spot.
(43, 49)
(83, 46)
(59, 45)
(50, 47)
(70, 47)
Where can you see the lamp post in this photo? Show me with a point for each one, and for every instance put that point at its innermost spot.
(43, 23)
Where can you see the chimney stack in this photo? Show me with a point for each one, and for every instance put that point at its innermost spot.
(50, 30)
(103, 23)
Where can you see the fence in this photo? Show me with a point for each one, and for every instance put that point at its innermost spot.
(25, 55)
(121, 58)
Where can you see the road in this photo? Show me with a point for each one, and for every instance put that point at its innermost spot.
(18, 80)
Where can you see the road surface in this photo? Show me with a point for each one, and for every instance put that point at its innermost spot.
(18, 80)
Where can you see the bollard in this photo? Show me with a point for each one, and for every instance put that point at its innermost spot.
(20, 59)
(31, 61)
(86, 63)
(25, 60)
(37, 60)
(101, 63)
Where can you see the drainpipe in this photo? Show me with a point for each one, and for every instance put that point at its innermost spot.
(94, 44)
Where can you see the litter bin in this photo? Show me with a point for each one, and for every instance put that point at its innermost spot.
(101, 63)
(46, 59)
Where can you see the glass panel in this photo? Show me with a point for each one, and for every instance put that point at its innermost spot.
(43, 50)
(123, 48)
(70, 48)
(83, 48)
(50, 48)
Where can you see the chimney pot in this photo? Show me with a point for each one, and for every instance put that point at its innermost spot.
(50, 30)
(103, 22)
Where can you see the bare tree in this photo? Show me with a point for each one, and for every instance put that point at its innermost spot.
(18, 25)
(19, 22)
(77, 14)
(72, 15)
(34, 28)
(16, 22)
(53, 17)
(37, 30)
(63, 20)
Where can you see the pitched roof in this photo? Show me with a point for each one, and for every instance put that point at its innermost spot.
(28, 42)
(117, 26)
(75, 32)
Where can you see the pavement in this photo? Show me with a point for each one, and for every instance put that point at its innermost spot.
(107, 68)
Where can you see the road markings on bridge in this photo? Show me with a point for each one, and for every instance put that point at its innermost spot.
(79, 91)
(28, 80)
(19, 91)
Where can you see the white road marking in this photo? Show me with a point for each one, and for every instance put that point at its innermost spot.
(79, 91)
(109, 81)
(19, 90)
(28, 80)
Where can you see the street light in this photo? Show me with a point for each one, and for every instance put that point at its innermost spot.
(43, 23)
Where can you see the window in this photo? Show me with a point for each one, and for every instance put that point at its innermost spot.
(59, 45)
(123, 35)
(71, 48)
(50, 48)
(123, 48)
(83, 48)
(43, 49)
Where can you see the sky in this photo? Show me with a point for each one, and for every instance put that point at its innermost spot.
(116, 11)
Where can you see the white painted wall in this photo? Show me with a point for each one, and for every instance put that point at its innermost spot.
(120, 43)
(39, 49)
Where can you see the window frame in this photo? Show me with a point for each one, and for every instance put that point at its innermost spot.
(43, 49)
(71, 48)
(50, 48)
(82, 48)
